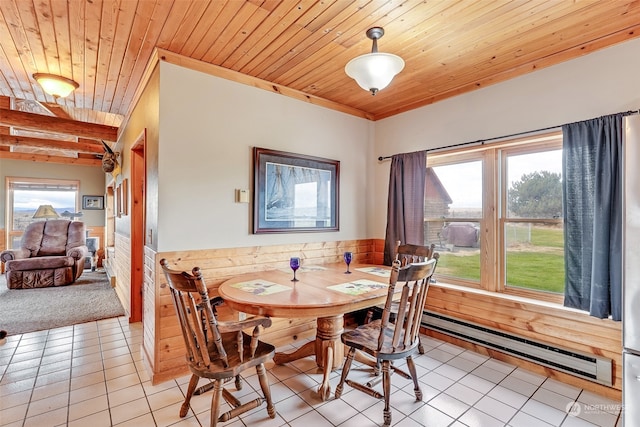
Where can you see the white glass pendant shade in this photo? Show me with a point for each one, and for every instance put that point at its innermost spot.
(374, 71)
(57, 86)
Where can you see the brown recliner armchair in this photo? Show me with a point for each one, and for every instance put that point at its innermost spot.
(51, 253)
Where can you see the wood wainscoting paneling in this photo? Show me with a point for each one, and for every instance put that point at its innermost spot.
(122, 270)
(164, 349)
(149, 312)
(538, 321)
(3, 246)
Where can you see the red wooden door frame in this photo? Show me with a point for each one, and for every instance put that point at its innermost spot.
(138, 225)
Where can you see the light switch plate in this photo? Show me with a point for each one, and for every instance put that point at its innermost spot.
(242, 196)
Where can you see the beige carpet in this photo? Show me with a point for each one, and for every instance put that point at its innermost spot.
(90, 298)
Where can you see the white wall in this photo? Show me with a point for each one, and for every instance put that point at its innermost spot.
(200, 166)
(601, 83)
(208, 127)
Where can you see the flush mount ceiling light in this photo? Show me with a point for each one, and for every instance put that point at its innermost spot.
(57, 86)
(374, 71)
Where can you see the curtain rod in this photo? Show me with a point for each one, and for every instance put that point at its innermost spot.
(482, 141)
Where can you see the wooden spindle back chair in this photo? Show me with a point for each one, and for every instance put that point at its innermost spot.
(218, 351)
(385, 341)
(408, 254)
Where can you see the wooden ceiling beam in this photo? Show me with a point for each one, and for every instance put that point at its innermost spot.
(25, 141)
(51, 159)
(43, 123)
(56, 110)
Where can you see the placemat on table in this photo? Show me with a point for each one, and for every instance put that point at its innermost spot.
(306, 268)
(376, 271)
(358, 287)
(261, 287)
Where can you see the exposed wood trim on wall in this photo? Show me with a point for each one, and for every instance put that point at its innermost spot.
(214, 70)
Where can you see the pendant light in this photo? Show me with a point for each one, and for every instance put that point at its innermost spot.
(56, 86)
(374, 71)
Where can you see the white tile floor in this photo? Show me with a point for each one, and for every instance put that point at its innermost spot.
(92, 375)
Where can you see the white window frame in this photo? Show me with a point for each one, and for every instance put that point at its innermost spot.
(494, 209)
(12, 182)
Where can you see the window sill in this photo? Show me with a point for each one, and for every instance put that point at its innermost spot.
(518, 299)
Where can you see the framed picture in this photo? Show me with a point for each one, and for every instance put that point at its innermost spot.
(294, 192)
(121, 198)
(124, 205)
(92, 202)
(118, 198)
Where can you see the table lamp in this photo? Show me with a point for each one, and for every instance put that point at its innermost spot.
(46, 212)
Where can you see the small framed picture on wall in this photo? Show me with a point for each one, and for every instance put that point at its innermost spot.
(93, 202)
(122, 198)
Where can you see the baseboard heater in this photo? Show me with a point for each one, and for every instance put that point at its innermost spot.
(584, 365)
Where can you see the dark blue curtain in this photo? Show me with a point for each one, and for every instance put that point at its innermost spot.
(592, 197)
(405, 207)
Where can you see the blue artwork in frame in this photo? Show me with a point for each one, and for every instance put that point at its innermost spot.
(294, 192)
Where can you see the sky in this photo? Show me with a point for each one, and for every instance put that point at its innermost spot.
(33, 199)
(464, 181)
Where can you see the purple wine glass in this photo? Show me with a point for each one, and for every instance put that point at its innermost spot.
(294, 263)
(347, 258)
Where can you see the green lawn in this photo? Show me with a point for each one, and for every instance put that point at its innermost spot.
(536, 270)
(537, 265)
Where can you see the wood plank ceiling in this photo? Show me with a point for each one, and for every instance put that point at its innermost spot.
(449, 46)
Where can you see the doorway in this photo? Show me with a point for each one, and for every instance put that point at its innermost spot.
(138, 226)
(24, 197)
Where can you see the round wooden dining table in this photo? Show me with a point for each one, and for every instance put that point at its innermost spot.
(325, 292)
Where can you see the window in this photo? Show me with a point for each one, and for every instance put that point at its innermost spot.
(25, 195)
(495, 214)
(453, 206)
